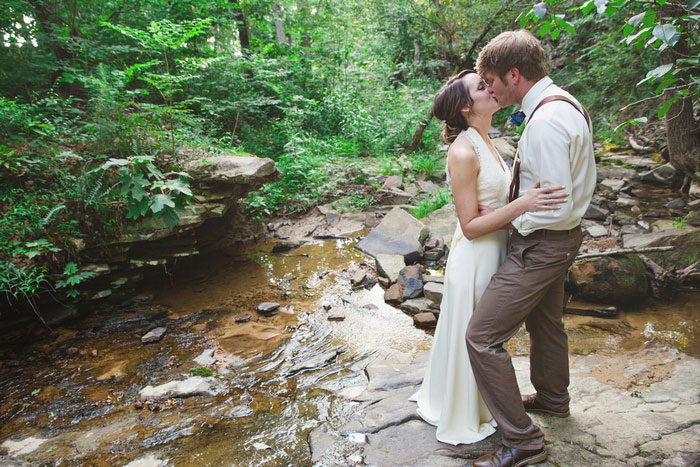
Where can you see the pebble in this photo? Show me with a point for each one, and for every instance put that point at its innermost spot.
(268, 308)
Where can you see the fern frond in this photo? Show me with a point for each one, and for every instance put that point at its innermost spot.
(50, 215)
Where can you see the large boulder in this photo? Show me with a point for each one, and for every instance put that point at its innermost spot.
(232, 169)
(399, 233)
(685, 253)
(618, 280)
(664, 175)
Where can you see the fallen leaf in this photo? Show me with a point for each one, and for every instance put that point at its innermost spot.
(260, 446)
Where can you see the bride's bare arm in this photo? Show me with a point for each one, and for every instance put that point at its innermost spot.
(463, 165)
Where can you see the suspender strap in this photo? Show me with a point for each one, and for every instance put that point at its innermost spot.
(514, 189)
(549, 99)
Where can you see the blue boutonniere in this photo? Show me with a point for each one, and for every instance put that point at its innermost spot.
(517, 117)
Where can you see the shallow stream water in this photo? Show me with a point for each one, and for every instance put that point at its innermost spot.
(78, 388)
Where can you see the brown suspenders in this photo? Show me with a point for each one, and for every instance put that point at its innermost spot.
(514, 189)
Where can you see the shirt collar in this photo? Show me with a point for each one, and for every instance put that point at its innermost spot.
(532, 98)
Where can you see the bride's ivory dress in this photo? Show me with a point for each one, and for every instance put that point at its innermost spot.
(448, 397)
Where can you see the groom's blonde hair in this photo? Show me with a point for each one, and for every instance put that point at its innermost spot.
(513, 49)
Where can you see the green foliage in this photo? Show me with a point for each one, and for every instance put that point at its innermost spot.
(428, 163)
(146, 188)
(72, 277)
(679, 223)
(635, 27)
(361, 202)
(22, 283)
(431, 203)
(201, 371)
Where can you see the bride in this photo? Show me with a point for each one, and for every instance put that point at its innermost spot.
(479, 179)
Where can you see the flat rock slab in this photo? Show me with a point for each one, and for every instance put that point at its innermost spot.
(206, 358)
(147, 461)
(399, 233)
(154, 335)
(24, 446)
(194, 386)
(638, 240)
(619, 422)
(615, 172)
(233, 169)
(416, 305)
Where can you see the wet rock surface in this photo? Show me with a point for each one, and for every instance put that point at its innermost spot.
(658, 422)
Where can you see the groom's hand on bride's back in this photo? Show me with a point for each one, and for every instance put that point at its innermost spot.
(483, 210)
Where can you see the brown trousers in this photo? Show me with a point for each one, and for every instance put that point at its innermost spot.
(528, 287)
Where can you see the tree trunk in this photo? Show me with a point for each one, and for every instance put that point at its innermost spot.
(242, 25)
(47, 19)
(681, 128)
(418, 135)
(279, 25)
(303, 7)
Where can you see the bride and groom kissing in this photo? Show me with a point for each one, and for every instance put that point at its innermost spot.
(495, 281)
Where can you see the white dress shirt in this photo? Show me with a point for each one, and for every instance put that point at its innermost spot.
(556, 148)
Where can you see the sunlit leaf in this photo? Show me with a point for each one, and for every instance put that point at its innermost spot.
(540, 10)
(634, 121)
(667, 33)
(636, 19)
(657, 72)
(600, 5)
(587, 7)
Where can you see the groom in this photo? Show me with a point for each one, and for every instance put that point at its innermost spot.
(555, 148)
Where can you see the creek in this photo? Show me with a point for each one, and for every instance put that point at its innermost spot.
(75, 392)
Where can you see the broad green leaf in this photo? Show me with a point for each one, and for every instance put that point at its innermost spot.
(170, 218)
(667, 105)
(115, 162)
(71, 268)
(587, 7)
(138, 193)
(667, 33)
(555, 34)
(160, 201)
(540, 10)
(545, 28)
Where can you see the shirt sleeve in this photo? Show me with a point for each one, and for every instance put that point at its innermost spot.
(545, 157)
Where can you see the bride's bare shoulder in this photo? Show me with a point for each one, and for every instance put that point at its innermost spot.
(462, 151)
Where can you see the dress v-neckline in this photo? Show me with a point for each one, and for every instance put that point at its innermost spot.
(494, 154)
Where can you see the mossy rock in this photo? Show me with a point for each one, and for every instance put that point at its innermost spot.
(618, 280)
(685, 253)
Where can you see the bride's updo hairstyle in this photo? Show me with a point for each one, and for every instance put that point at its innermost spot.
(448, 105)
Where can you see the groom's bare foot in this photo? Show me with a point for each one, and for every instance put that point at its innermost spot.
(511, 457)
(533, 405)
